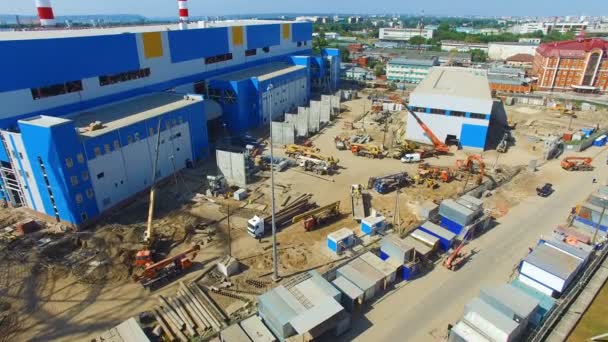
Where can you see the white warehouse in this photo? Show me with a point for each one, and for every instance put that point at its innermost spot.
(453, 103)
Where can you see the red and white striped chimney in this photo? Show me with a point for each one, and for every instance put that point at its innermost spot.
(45, 12)
(183, 10)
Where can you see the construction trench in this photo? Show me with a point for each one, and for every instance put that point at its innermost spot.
(51, 274)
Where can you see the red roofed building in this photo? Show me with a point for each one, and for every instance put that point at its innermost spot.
(580, 65)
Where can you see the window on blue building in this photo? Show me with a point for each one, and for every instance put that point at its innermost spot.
(251, 52)
(478, 116)
(56, 89)
(457, 113)
(124, 77)
(69, 162)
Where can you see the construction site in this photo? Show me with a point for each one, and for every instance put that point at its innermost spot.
(237, 192)
(67, 285)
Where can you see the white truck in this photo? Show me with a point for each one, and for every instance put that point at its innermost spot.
(411, 158)
(256, 226)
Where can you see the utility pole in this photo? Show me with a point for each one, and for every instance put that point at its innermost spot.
(229, 233)
(275, 272)
(397, 215)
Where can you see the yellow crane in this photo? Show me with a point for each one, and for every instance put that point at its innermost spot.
(293, 150)
(366, 150)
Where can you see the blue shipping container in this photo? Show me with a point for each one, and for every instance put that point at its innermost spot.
(445, 240)
(332, 245)
(451, 226)
(410, 271)
(371, 225)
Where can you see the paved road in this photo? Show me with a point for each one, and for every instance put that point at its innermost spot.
(421, 310)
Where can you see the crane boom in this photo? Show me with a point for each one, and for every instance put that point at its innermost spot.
(330, 207)
(439, 145)
(149, 232)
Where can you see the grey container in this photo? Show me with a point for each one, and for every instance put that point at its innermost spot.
(510, 301)
(234, 333)
(472, 200)
(370, 272)
(276, 314)
(457, 212)
(256, 330)
(491, 322)
(351, 294)
(368, 286)
(388, 270)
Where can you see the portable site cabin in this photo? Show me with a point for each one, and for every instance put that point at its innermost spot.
(428, 239)
(446, 237)
(352, 296)
(512, 302)
(373, 225)
(548, 270)
(371, 273)
(421, 250)
(387, 269)
(340, 240)
(545, 303)
(491, 322)
(455, 216)
(367, 285)
(395, 248)
(463, 332)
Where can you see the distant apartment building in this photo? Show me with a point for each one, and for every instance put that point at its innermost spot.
(580, 65)
(501, 51)
(328, 35)
(482, 31)
(410, 70)
(404, 34)
(354, 20)
(530, 40)
(450, 45)
(546, 27)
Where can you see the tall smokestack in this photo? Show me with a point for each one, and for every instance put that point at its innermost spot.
(45, 12)
(183, 10)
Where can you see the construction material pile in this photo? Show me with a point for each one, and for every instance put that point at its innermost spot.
(189, 314)
(299, 205)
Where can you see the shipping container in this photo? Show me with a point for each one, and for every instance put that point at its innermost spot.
(395, 248)
(451, 225)
(256, 330)
(421, 249)
(458, 213)
(446, 237)
(581, 253)
(370, 273)
(428, 239)
(368, 286)
(410, 270)
(340, 240)
(462, 332)
(473, 200)
(491, 322)
(276, 313)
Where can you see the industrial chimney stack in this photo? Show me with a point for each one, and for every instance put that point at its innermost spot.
(45, 12)
(183, 14)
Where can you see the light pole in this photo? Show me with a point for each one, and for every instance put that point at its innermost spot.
(275, 272)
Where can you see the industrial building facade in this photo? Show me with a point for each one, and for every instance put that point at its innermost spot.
(404, 34)
(580, 65)
(409, 70)
(82, 107)
(450, 109)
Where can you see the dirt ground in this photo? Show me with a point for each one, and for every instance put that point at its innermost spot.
(80, 284)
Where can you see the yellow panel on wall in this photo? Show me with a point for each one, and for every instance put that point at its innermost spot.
(237, 35)
(153, 44)
(286, 31)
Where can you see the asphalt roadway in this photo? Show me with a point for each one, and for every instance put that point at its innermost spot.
(422, 309)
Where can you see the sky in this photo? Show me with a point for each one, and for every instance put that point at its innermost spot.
(166, 8)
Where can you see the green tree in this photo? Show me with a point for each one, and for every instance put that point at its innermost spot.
(417, 40)
(478, 56)
(319, 42)
(379, 70)
(344, 54)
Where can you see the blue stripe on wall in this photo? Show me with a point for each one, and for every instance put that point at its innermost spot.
(259, 36)
(59, 60)
(162, 86)
(301, 32)
(187, 45)
(22, 171)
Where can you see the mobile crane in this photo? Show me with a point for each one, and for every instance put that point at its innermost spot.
(366, 150)
(577, 164)
(456, 259)
(388, 183)
(160, 273)
(440, 147)
(293, 150)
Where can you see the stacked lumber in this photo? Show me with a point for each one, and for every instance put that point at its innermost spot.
(190, 313)
(299, 205)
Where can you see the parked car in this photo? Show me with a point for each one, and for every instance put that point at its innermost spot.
(544, 190)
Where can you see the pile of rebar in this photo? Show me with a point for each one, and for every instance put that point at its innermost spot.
(299, 205)
(189, 314)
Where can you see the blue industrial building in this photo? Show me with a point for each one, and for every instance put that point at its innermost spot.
(81, 108)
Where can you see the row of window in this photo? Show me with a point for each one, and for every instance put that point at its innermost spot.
(452, 112)
(302, 43)
(89, 194)
(219, 58)
(124, 77)
(75, 86)
(56, 89)
(84, 175)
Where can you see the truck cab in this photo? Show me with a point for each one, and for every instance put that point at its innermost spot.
(255, 227)
(411, 158)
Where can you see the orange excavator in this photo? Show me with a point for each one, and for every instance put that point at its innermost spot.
(160, 273)
(577, 164)
(440, 147)
(443, 173)
(456, 259)
(468, 166)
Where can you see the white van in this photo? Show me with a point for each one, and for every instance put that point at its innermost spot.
(411, 158)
